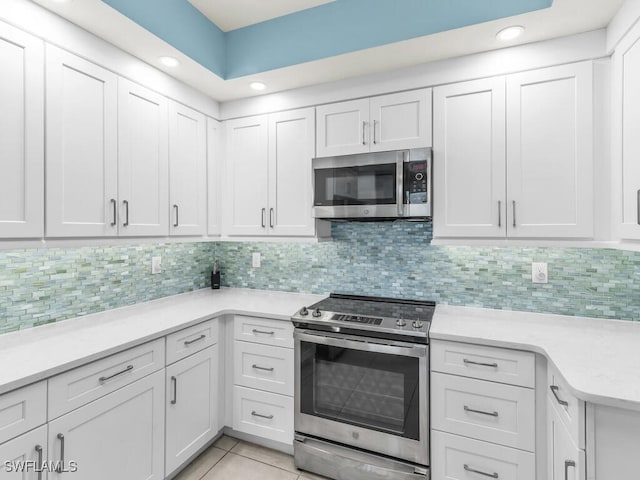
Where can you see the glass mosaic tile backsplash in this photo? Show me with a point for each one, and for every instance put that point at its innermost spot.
(390, 259)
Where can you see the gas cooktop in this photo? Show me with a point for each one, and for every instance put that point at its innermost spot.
(376, 315)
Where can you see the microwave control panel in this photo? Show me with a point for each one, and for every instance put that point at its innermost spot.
(416, 182)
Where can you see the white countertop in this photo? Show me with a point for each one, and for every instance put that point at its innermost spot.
(599, 359)
(37, 353)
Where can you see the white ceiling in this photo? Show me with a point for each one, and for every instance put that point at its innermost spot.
(565, 17)
(233, 14)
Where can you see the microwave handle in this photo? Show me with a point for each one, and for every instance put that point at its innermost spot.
(400, 183)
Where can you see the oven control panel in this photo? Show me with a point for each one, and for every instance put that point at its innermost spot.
(356, 319)
(416, 182)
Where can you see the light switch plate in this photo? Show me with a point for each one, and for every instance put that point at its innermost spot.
(539, 272)
(255, 259)
(156, 265)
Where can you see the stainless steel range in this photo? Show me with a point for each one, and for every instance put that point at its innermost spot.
(362, 388)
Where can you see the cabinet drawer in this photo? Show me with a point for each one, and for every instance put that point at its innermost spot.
(191, 340)
(263, 367)
(488, 411)
(502, 365)
(570, 409)
(82, 385)
(460, 458)
(263, 414)
(22, 410)
(263, 330)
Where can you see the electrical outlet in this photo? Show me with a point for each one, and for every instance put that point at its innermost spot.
(539, 272)
(255, 259)
(156, 265)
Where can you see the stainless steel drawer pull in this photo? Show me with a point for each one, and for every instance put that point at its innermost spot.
(126, 213)
(471, 362)
(271, 217)
(263, 332)
(40, 466)
(60, 466)
(490, 414)
(567, 464)
(258, 367)
(638, 206)
(375, 124)
(364, 125)
(114, 204)
(174, 381)
(104, 379)
(499, 214)
(177, 210)
(189, 342)
(255, 414)
(554, 390)
(262, 220)
(490, 475)
(514, 214)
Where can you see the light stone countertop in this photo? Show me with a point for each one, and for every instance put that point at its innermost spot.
(37, 353)
(599, 359)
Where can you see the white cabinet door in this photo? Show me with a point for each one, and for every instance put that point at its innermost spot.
(143, 161)
(215, 154)
(30, 450)
(192, 406)
(343, 128)
(21, 134)
(120, 435)
(565, 460)
(291, 140)
(81, 146)
(401, 120)
(550, 152)
(247, 174)
(187, 170)
(469, 159)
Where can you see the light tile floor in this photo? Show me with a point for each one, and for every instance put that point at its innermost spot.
(232, 459)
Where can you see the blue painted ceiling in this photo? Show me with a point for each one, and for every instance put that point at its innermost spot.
(331, 29)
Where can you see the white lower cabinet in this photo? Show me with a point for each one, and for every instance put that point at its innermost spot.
(28, 450)
(565, 460)
(120, 435)
(191, 406)
(263, 414)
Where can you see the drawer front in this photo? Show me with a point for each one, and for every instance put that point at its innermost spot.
(460, 458)
(266, 415)
(570, 409)
(82, 385)
(22, 410)
(263, 330)
(502, 365)
(487, 411)
(263, 367)
(191, 340)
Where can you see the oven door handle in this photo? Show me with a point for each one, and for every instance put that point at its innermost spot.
(363, 344)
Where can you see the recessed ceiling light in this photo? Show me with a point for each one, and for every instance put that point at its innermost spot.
(510, 33)
(169, 61)
(259, 86)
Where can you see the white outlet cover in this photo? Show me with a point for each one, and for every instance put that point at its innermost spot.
(255, 259)
(156, 265)
(539, 273)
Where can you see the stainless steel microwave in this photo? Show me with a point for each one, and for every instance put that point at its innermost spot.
(373, 186)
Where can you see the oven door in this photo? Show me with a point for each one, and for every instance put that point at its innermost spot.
(368, 393)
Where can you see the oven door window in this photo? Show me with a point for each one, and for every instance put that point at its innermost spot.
(372, 390)
(358, 185)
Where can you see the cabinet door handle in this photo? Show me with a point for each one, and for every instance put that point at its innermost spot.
(364, 125)
(479, 472)
(189, 342)
(60, 466)
(262, 213)
(499, 214)
(174, 398)
(472, 410)
(126, 213)
(175, 207)
(514, 213)
(263, 332)
(255, 414)
(375, 123)
(114, 205)
(40, 467)
(258, 367)
(554, 390)
(104, 379)
(567, 464)
(271, 217)
(482, 364)
(638, 206)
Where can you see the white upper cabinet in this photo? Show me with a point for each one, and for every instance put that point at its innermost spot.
(143, 161)
(187, 170)
(81, 145)
(215, 153)
(469, 152)
(550, 152)
(21, 134)
(388, 122)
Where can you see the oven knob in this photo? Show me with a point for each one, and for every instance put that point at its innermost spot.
(400, 322)
(316, 312)
(304, 312)
(417, 324)
(419, 176)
